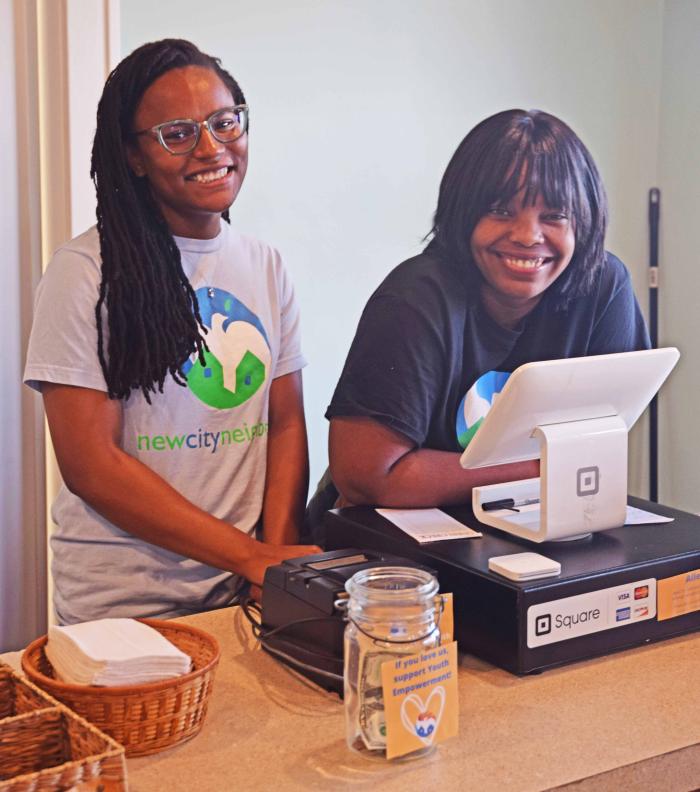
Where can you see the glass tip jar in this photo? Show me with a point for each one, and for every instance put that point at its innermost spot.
(392, 611)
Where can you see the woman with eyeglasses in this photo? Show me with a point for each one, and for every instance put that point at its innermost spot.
(515, 271)
(166, 348)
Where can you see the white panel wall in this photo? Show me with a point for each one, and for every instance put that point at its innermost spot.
(53, 60)
(10, 439)
(92, 47)
(679, 180)
(357, 107)
(22, 553)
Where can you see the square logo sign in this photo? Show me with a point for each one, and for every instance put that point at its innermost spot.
(587, 481)
(543, 624)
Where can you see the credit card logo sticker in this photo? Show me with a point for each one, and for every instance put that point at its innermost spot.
(605, 609)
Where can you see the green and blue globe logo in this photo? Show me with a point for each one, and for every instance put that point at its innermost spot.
(476, 403)
(238, 359)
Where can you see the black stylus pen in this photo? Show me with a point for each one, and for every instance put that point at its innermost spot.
(508, 503)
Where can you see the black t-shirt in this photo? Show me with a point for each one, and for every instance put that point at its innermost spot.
(427, 359)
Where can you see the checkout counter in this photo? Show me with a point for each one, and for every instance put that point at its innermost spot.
(626, 721)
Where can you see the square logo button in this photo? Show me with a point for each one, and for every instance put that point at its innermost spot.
(587, 481)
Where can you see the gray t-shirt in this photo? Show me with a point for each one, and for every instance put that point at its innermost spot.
(208, 440)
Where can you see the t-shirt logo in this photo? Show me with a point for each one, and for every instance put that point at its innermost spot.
(238, 359)
(477, 402)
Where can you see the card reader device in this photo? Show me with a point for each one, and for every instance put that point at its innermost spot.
(302, 624)
(524, 566)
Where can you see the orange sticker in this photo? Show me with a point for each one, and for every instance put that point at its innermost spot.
(678, 595)
(421, 704)
(447, 619)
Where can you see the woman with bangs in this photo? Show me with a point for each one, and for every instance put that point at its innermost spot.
(515, 271)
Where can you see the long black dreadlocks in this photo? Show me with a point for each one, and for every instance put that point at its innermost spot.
(153, 321)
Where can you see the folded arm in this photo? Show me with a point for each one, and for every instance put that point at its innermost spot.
(372, 464)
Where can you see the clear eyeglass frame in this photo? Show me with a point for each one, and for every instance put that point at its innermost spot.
(159, 131)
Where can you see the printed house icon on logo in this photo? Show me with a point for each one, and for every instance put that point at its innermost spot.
(587, 481)
(543, 624)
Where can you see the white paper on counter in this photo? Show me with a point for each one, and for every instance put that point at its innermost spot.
(636, 516)
(428, 525)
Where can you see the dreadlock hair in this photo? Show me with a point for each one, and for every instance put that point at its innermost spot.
(153, 320)
(532, 151)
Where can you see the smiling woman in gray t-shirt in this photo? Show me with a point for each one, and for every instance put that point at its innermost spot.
(166, 347)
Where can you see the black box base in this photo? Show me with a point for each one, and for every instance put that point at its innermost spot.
(302, 625)
(491, 612)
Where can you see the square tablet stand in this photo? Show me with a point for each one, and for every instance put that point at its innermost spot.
(582, 486)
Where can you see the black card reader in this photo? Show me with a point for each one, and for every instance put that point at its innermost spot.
(301, 624)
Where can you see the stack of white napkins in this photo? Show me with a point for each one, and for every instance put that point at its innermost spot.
(113, 652)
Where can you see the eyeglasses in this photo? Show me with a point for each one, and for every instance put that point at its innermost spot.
(182, 135)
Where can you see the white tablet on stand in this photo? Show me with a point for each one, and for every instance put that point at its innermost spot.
(573, 415)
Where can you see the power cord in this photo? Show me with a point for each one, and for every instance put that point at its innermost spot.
(296, 663)
(253, 612)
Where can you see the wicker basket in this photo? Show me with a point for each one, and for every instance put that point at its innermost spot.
(144, 718)
(45, 746)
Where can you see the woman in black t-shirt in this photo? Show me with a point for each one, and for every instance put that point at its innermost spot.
(515, 271)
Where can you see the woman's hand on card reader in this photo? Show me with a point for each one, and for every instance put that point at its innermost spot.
(270, 555)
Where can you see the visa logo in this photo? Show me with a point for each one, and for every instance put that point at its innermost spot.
(624, 595)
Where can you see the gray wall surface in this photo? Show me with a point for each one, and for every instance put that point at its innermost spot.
(679, 180)
(22, 541)
(356, 108)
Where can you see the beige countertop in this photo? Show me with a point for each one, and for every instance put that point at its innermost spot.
(629, 721)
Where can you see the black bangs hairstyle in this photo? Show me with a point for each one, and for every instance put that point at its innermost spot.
(153, 321)
(534, 151)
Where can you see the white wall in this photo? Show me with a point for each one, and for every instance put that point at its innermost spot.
(50, 82)
(679, 180)
(357, 107)
(22, 554)
(86, 71)
(10, 440)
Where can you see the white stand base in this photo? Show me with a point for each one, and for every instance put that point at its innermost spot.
(582, 486)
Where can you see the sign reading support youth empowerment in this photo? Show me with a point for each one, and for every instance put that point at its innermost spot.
(421, 705)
